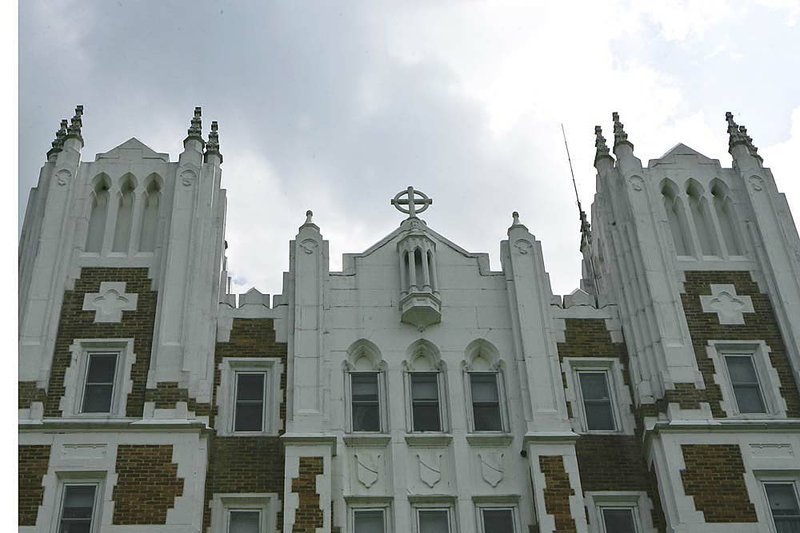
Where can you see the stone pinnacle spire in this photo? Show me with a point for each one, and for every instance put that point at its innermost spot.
(212, 147)
(738, 135)
(58, 142)
(620, 137)
(600, 145)
(75, 125)
(196, 128)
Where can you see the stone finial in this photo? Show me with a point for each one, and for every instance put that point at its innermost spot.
(58, 142)
(600, 144)
(620, 137)
(212, 147)
(196, 127)
(749, 143)
(75, 125)
(309, 216)
(515, 219)
(735, 135)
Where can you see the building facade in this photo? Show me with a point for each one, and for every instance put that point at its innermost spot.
(417, 390)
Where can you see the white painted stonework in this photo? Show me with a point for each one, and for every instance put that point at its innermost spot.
(728, 306)
(110, 302)
(415, 303)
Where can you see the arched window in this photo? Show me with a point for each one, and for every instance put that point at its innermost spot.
(425, 389)
(365, 387)
(97, 218)
(122, 229)
(484, 385)
(702, 221)
(152, 198)
(676, 216)
(723, 207)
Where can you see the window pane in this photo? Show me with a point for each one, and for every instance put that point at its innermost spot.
(748, 399)
(424, 386)
(368, 521)
(244, 522)
(101, 368)
(433, 521)
(619, 521)
(594, 385)
(741, 369)
(498, 521)
(426, 417)
(784, 506)
(484, 388)
(76, 514)
(487, 417)
(599, 416)
(250, 386)
(249, 416)
(366, 418)
(97, 398)
(364, 387)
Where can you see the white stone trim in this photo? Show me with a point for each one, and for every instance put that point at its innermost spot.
(266, 503)
(370, 504)
(768, 379)
(499, 503)
(64, 478)
(430, 503)
(621, 401)
(75, 376)
(638, 502)
(226, 401)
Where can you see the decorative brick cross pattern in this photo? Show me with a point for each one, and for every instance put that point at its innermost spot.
(729, 306)
(110, 301)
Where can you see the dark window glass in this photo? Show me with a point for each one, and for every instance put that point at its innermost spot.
(425, 402)
(485, 402)
(597, 401)
(619, 521)
(784, 507)
(244, 521)
(498, 521)
(368, 521)
(100, 372)
(249, 414)
(433, 521)
(745, 384)
(366, 406)
(77, 510)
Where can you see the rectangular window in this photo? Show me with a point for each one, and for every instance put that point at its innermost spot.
(244, 521)
(366, 405)
(784, 506)
(425, 414)
(485, 401)
(98, 392)
(250, 394)
(433, 520)
(597, 401)
(497, 520)
(744, 382)
(368, 521)
(619, 520)
(77, 508)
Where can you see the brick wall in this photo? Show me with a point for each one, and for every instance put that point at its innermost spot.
(74, 323)
(557, 491)
(609, 462)
(147, 484)
(32, 461)
(761, 325)
(246, 464)
(308, 516)
(714, 477)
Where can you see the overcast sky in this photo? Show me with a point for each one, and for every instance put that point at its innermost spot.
(336, 106)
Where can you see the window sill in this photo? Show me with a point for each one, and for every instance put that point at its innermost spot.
(369, 440)
(490, 439)
(428, 439)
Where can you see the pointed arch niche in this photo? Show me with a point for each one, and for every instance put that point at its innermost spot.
(99, 212)
(150, 207)
(726, 216)
(704, 227)
(676, 216)
(420, 303)
(124, 224)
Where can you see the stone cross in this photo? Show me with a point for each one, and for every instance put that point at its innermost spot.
(109, 303)
(411, 201)
(729, 306)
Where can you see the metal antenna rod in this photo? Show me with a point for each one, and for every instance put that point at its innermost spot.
(572, 172)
